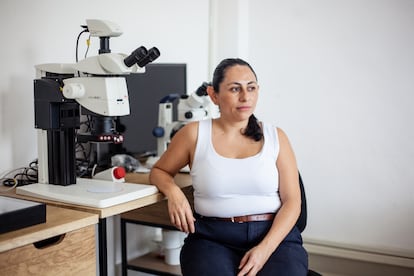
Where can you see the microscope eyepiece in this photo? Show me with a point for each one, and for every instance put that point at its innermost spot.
(137, 55)
(152, 55)
(202, 90)
(141, 56)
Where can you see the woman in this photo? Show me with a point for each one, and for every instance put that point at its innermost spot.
(246, 189)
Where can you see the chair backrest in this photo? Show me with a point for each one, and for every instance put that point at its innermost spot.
(303, 217)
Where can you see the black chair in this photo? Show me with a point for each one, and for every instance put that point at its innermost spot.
(303, 217)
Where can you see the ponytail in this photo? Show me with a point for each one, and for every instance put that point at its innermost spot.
(253, 129)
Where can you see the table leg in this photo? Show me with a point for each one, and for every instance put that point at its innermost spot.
(123, 248)
(103, 257)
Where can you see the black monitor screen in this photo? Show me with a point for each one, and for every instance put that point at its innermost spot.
(145, 92)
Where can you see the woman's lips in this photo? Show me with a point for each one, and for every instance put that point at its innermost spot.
(243, 108)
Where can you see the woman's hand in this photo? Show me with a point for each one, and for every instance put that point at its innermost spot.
(180, 211)
(253, 261)
(178, 154)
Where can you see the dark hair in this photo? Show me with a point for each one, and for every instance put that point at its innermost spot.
(253, 129)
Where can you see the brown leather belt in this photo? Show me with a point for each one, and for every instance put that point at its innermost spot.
(241, 219)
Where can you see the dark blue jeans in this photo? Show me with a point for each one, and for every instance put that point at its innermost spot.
(217, 247)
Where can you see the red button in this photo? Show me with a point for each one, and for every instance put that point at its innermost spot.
(119, 172)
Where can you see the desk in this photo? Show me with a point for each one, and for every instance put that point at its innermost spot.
(182, 180)
(61, 245)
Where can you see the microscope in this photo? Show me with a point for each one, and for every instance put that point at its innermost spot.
(194, 107)
(95, 87)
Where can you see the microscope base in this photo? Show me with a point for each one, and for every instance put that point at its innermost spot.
(89, 192)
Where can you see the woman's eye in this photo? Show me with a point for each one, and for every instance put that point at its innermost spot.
(251, 88)
(235, 89)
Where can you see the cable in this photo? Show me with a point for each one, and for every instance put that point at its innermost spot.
(77, 43)
(93, 169)
(24, 175)
(10, 186)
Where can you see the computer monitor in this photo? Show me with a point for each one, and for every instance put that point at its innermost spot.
(145, 92)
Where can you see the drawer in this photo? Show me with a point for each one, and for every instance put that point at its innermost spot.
(68, 254)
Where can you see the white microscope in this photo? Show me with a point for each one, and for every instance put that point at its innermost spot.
(194, 107)
(96, 87)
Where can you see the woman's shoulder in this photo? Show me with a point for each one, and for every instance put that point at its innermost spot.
(191, 126)
(195, 125)
(188, 131)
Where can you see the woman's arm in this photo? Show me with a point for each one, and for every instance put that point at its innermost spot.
(286, 216)
(178, 154)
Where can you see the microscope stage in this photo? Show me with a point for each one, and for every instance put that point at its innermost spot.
(89, 192)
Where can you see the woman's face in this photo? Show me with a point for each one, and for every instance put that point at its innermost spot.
(238, 93)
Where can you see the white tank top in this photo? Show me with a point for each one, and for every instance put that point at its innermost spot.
(227, 187)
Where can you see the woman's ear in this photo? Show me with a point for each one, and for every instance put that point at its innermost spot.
(212, 94)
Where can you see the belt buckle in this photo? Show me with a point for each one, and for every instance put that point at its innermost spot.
(233, 220)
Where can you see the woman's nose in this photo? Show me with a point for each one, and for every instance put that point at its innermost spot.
(243, 95)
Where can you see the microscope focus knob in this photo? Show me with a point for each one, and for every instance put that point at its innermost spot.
(188, 115)
(158, 131)
(73, 90)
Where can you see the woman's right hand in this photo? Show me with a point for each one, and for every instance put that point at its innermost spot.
(178, 154)
(180, 212)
